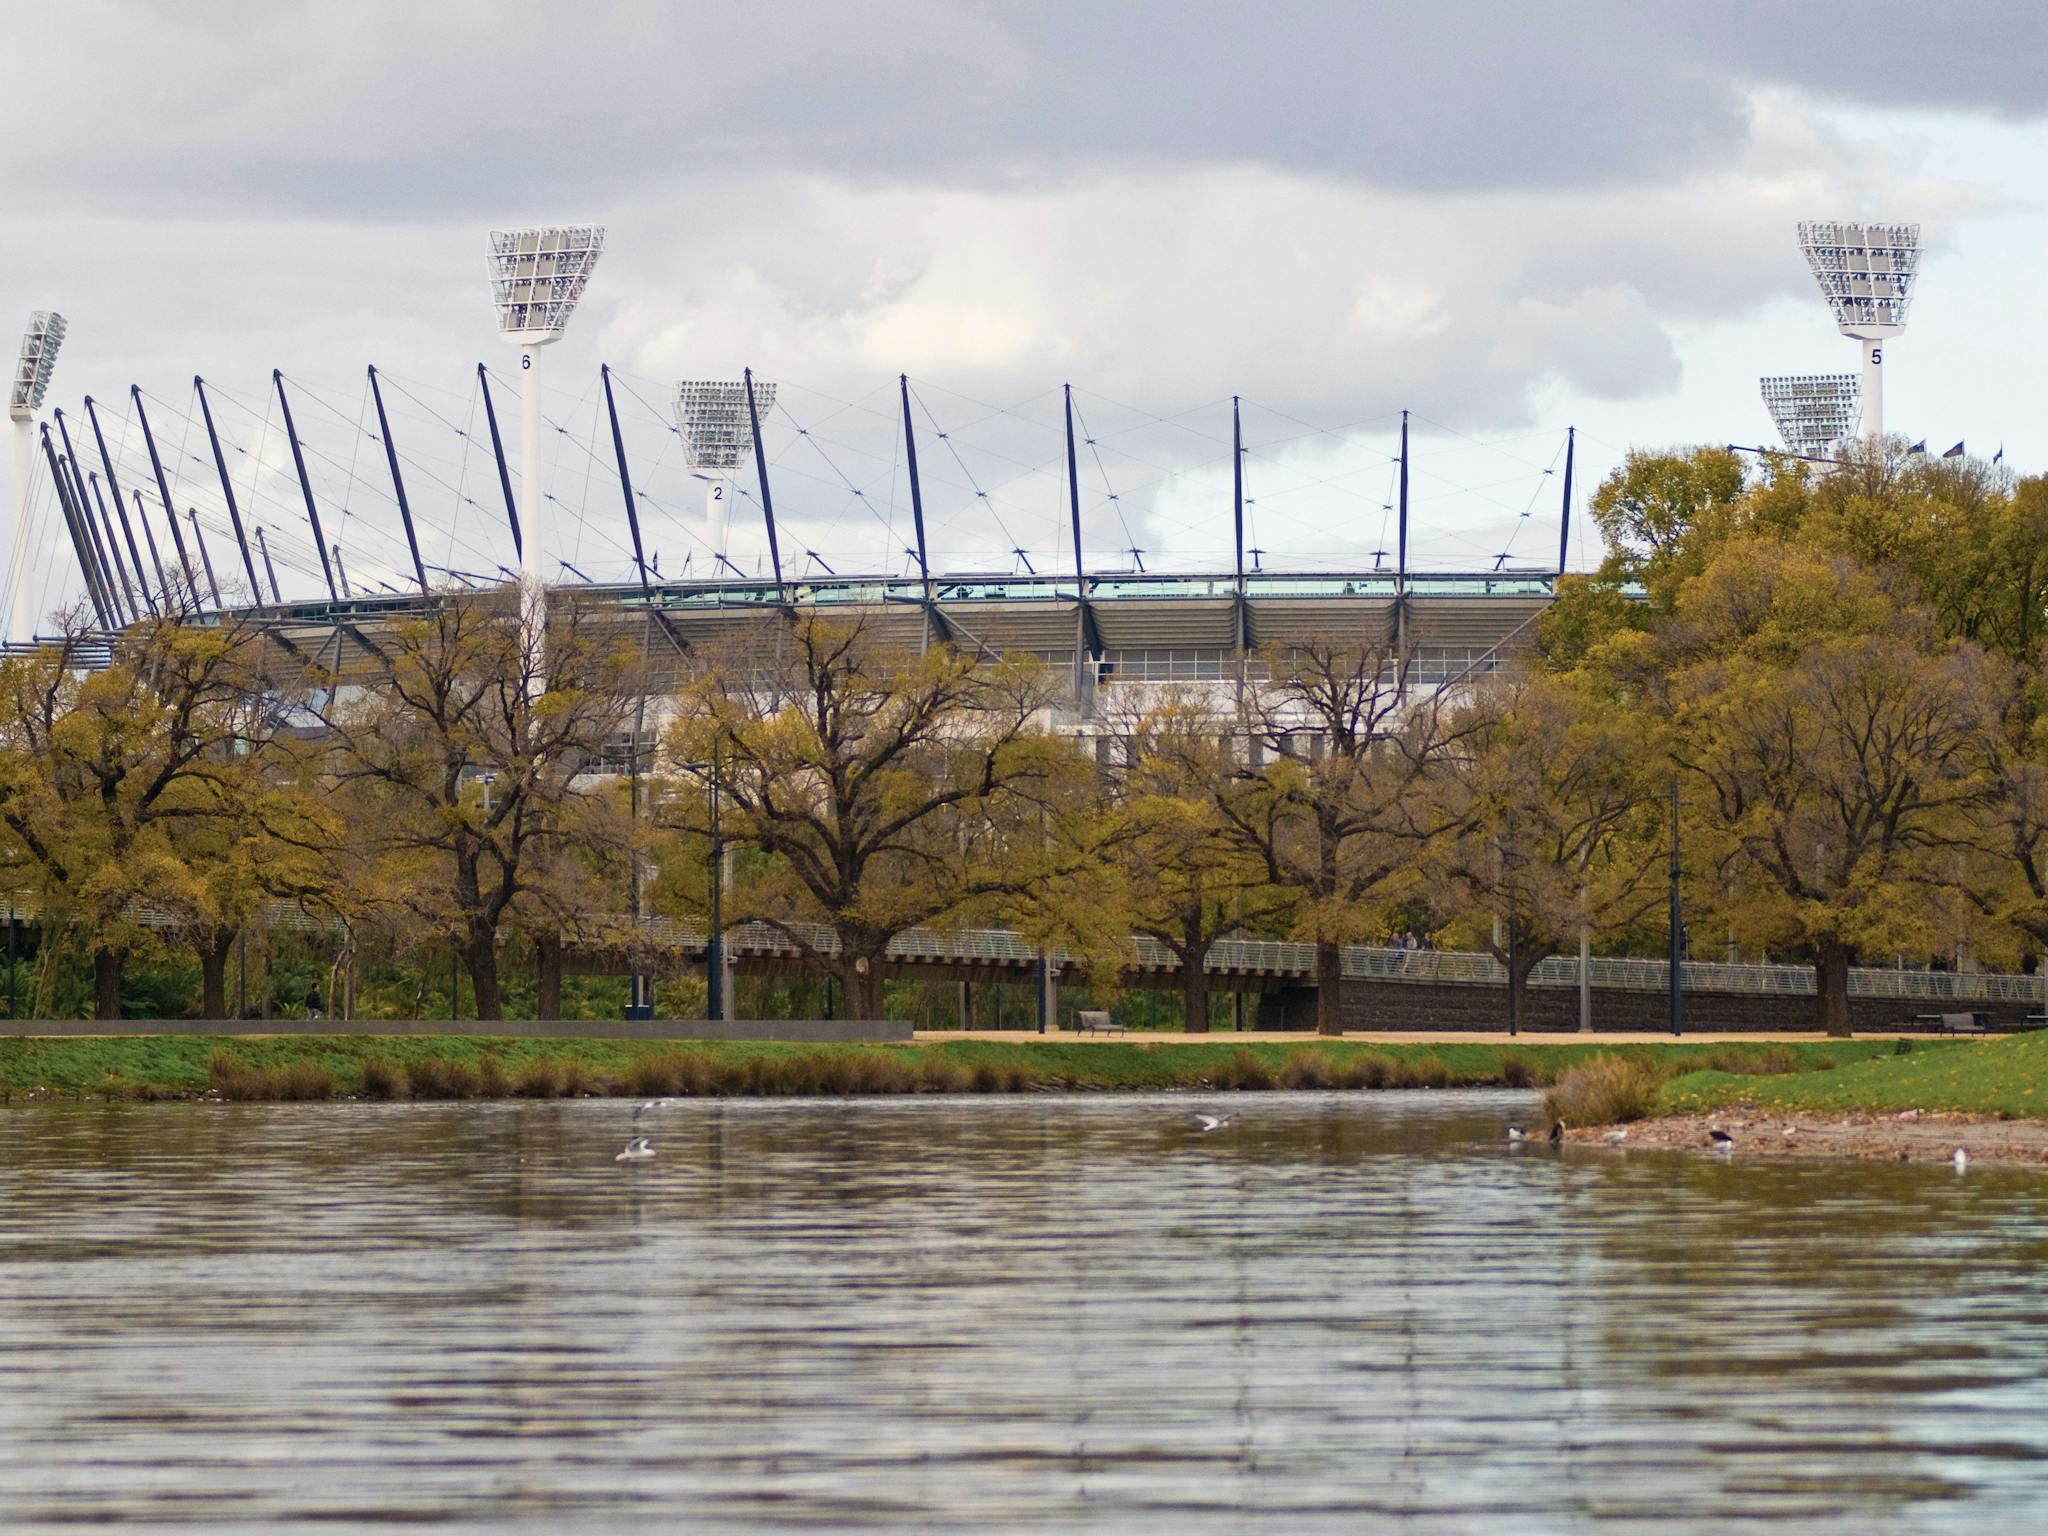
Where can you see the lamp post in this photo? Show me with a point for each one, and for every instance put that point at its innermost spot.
(39, 344)
(717, 439)
(717, 995)
(537, 276)
(1866, 273)
(1677, 922)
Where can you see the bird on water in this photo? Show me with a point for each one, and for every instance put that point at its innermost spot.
(1962, 1159)
(1615, 1137)
(1722, 1141)
(1213, 1122)
(1557, 1133)
(1516, 1133)
(652, 1104)
(638, 1150)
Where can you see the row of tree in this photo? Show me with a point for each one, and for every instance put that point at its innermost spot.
(1841, 672)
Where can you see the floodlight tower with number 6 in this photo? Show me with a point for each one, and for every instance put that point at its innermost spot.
(39, 344)
(537, 275)
(717, 439)
(1865, 272)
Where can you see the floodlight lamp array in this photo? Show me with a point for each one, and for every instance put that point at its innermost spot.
(39, 344)
(1815, 412)
(538, 274)
(717, 433)
(1865, 272)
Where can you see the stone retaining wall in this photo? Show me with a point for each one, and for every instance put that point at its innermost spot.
(1442, 1005)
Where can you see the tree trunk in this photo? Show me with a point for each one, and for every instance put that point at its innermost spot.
(1526, 962)
(106, 983)
(480, 958)
(213, 977)
(547, 949)
(1329, 987)
(1194, 980)
(1831, 980)
(860, 986)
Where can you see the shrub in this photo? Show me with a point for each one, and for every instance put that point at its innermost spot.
(1518, 1071)
(1604, 1091)
(935, 1074)
(235, 1079)
(1367, 1069)
(991, 1077)
(1246, 1072)
(1430, 1072)
(444, 1077)
(1307, 1069)
(384, 1078)
(491, 1081)
(670, 1075)
(541, 1078)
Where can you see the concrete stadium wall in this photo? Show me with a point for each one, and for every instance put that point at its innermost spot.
(804, 1031)
(1398, 1005)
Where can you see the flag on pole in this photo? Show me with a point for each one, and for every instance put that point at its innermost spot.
(1919, 447)
(1998, 455)
(1954, 453)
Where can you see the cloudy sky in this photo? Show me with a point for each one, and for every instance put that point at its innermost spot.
(1505, 218)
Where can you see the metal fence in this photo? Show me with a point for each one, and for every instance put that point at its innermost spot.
(1282, 958)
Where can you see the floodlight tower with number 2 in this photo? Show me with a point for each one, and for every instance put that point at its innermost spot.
(1865, 272)
(39, 344)
(537, 275)
(717, 440)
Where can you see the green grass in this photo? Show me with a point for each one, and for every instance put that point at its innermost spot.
(189, 1066)
(2006, 1077)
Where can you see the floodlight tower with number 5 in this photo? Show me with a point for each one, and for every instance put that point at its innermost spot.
(1865, 272)
(39, 344)
(717, 439)
(537, 275)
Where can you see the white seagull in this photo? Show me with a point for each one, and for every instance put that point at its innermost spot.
(653, 1104)
(1962, 1159)
(638, 1150)
(1516, 1133)
(1213, 1122)
(1615, 1137)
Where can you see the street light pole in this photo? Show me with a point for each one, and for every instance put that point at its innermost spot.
(714, 949)
(1677, 918)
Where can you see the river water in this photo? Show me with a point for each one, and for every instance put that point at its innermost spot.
(1339, 1313)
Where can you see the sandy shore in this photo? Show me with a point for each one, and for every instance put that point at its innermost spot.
(1912, 1137)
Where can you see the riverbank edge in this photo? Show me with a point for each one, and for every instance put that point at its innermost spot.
(256, 1067)
(1846, 1135)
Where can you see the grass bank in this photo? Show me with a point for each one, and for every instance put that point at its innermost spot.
(459, 1066)
(2005, 1077)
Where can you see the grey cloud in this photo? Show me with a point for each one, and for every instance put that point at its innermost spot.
(411, 111)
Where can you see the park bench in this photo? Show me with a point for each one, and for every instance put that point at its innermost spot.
(1095, 1021)
(1955, 1023)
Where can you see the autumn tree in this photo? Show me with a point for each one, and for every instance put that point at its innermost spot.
(1188, 878)
(886, 788)
(465, 765)
(126, 787)
(1340, 813)
(1831, 746)
(1556, 807)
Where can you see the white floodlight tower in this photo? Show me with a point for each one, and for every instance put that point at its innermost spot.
(1815, 412)
(39, 344)
(1865, 272)
(537, 275)
(717, 439)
